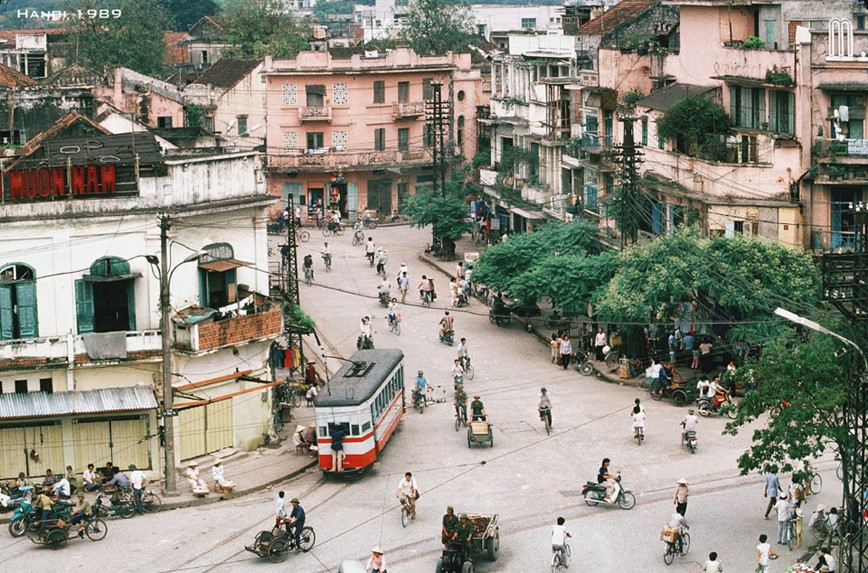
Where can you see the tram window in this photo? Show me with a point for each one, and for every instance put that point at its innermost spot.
(323, 432)
(366, 426)
(354, 430)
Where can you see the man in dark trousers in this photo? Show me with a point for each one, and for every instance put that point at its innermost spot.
(296, 522)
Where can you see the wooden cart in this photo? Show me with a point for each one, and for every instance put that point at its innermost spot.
(479, 433)
(485, 540)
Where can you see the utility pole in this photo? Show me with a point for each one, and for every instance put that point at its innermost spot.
(627, 196)
(171, 486)
(434, 112)
(290, 292)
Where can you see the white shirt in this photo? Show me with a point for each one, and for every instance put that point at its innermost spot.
(193, 473)
(653, 371)
(703, 386)
(385, 287)
(676, 520)
(639, 419)
(600, 339)
(137, 478)
(783, 509)
(365, 327)
(764, 549)
(88, 476)
(713, 567)
(457, 370)
(311, 393)
(370, 247)
(62, 487)
(280, 507)
(559, 535)
(831, 563)
(462, 350)
(690, 422)
(407, 487)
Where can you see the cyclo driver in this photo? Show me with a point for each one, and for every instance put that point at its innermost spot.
(460, 402)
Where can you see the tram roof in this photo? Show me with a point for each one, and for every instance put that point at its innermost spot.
(350, 389)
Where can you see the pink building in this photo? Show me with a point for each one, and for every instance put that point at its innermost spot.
(351, 132)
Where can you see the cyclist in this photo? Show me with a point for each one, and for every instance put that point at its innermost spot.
(688, 424)
(83, 512)
(335, 220)
(393, 313)
(421, 385)
(477, 410)
(370, 250)
(326, 254)
(559, 536)
(384, 290)
(677, 521)
(408, 490)
(463, 353)
(446, 324)
(638, 413)
(426, 289)
(366, 339)
(460, 402)
(545, 406)
(457, 373)
(308, 265)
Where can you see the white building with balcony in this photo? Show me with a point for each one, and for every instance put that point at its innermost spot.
(80, 332)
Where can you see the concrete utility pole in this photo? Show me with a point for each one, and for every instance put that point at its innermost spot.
(628, 193)
(171, 486)
(434, 113)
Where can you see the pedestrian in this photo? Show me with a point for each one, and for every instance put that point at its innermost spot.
(370, 250)
(826, 560)
(566, 350)
(554, 346)
(798, 520)
(382, 259)
(453, 290)
(796, 491)
(783, 509)
(337, 446)
(705, 355)
(771, 489)
(681, 495)
(764, 555)
(137, 479)
(280, 506)
(460, 270)
(673, 346)
(403, 286)
(377, 561)
(600, 341)
(712, 565)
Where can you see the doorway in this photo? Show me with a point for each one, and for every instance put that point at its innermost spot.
(111, 305)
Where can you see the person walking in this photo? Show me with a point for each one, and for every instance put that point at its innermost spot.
(771, 489)
(600, 341)
(403, 286)
(764, 555)
(782, 507)
(712, 565)
(566, 350)
(681, 495)
(370, 250)
(137, 479)
(555, 346)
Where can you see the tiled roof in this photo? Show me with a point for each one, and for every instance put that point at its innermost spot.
(57, 127)
(176, 52)
(225, 73)
(663, 99)
(9, 36)
(41, 404)
(75, 75)
(10, 78)
(614, 17)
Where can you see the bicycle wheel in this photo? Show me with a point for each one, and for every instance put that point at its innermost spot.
(612, 360)
(685, 542)
(791, 537)
(152, 502)
(586, 368)
(669, 556)
(839, 471)
(654, 390)
(356, 239)
(371, 225)
(307, 539)
(295, 398)
(125, 509)
(816, 483)
(469, 372)
(338, 231)
(548, 427)
(405, 516)
(304, 236)
(95, 529)
(397, 329)
(326, 231)
(277, 551)
(457, 422)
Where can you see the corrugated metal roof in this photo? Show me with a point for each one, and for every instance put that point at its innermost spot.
(663, 99)
(40, 404)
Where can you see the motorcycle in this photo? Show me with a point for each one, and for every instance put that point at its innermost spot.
(722, 407)
(123, 508)
(369, 223)
(690, 441)
(461, 300)
(500, 318)
(419, 400)
(582, 364)
(447, 337)
(595, 493)
(23, 515)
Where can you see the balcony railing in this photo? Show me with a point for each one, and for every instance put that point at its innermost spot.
(37, 352)
(237, 329)
(411, 109)
(335, 159)
(593, 142)
(836, 241)
(322, 113)
(829, 148)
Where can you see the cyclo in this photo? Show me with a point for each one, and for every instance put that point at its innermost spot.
(56, 532)
(277, 543)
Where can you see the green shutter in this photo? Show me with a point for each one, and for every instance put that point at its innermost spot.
(25, 295)
(7, 318)
(131, 303)
(84, 306)
(352, 196)
(791, 113)
(733, 105)
(203, 289)
(231, 289)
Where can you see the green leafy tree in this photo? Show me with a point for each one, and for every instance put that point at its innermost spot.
(325, 8)
(435, 27)
(185, 13)
(446, 215)
(806, 370)
(260, 28)
(698, 126)
(135, 40)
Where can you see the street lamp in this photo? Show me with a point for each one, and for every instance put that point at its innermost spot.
(807, 323)
(161, 267)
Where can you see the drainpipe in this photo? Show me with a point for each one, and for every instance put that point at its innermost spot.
(70, 361)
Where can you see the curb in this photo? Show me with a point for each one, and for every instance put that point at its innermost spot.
(215, 498)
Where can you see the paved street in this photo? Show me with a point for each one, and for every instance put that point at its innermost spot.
(527, 478)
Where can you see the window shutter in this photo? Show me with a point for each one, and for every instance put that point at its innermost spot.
(131, 304)
(733, 105)
(352, 196)
(791, 113)
(204, 300)
(7, 318)
(27, 318)
(84, 306)
(231, 292)
(774, 123)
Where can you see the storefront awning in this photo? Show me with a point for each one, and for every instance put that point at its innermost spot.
(42, 405)
(527, 214)
(223, 265)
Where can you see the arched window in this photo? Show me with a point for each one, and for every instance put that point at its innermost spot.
(105, 299)
(840, 38)
(217, 275)
(18, 316)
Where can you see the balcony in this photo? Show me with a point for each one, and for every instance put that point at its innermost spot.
(836, 242)
(598, 144)
(331, 160)
(46, 350)
(320, 113)
(204, 336)
(408, 110)
(844, 151)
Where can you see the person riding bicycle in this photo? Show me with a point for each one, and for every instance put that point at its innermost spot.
(308, 265)
(408, 491)
(688, 424)
(426, 289)
(477, 410)
(460, 402)
(326, 254)
(83, 512)
(334, 220)
(384, 290)
(559, 535)
(421, 385)
(665, 377)
(393, 314)
(463, 353)
(457, 372)
(545, 406)
(295, 522)
(367, 333)
(638, 414)
(370, 250)
(677, 521)
(446, 324)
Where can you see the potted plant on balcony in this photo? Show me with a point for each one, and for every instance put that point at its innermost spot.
(753, 43)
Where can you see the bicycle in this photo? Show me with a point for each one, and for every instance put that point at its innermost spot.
(330, 229)
(545, 415)
(302, 236)
(395, 325)
(308, 276)
(460, 417)
(468, 368)
(640, 435)
(427, 298)
(682, 539)
(151, 501)
(405, 510)
(790, 534)
(560, 557)
(358, 237)
(327, 259)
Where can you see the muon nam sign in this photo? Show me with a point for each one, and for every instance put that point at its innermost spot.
(46, 183)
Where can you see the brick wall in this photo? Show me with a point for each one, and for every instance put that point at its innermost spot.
(240, 328)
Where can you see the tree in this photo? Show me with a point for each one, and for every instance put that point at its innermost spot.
(446, 215)
(260, 28)
(698, 126)
(135, 40)
(804, 369)
(185, 13)
(434, 27)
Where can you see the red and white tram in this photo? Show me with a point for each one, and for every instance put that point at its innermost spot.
(362, 405)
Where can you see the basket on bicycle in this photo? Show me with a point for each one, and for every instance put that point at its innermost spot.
(668, 534)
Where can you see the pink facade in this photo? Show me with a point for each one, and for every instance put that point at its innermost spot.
(351, 132)
(154, 102)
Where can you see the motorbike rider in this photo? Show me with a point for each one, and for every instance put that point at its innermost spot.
(367, 332)
(545, 405)
(688, 424)
(421, 384)
(498, 307)
(446, 324)
(384, 290)
(717, 393)
(460, 402)
(609, 481)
